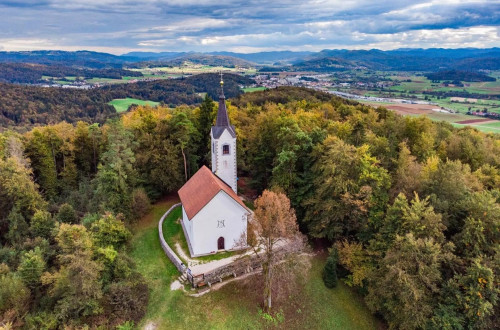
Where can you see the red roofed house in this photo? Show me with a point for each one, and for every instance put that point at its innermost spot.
(214, 218)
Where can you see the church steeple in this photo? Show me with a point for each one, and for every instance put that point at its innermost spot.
(223, 146)
(222, 121)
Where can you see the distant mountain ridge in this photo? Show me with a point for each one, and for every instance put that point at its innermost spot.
(434, 59)
(413, 59)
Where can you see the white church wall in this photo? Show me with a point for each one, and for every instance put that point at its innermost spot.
(225, 165)
(187, 224)
(214, 148)
(207, 225)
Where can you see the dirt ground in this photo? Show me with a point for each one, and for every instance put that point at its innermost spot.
(476, 121)
(415, 109)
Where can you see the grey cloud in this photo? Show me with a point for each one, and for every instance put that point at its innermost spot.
(202, 25)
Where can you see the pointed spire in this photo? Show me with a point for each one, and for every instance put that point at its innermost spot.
(222, 117)
(222, 121)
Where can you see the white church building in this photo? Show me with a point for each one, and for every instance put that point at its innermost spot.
(214, 218)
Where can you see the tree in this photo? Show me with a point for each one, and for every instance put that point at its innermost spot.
(42, 225)
(140, 203)
(330, 270)
(76, 286)
(14, 297)
(116, 176)
(274, 221)
(406, 285)
(186, 136)
(18, 228)
(350, 190)
(41, 148)
(204, 122)
(407, 177)
(477, 294)
(17, 190)
(109, 231)
(67, 214)
(31, 268)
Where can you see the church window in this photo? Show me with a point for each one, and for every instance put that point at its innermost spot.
(225, 149)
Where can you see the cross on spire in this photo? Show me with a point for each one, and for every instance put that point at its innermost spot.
(221, 84)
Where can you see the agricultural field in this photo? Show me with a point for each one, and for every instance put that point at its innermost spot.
(122, 105)
(314, 307)
(191, 68)
(431, 112)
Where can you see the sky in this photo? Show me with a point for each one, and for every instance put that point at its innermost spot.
(246, 26)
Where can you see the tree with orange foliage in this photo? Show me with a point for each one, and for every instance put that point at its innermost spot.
(274, 221)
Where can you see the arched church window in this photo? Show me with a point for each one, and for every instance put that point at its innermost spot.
(225, 149)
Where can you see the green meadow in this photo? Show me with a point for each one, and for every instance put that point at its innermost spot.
(254, 89)
(236, 305)
(122, 105)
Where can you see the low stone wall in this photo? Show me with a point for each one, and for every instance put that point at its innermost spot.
(167, 249)
(245, 264)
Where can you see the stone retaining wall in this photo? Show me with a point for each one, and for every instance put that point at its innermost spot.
(167, 249)
(239, 267)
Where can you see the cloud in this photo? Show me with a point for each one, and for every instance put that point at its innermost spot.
(246, 25)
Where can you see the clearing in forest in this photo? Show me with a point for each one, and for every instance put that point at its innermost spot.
(122, 105)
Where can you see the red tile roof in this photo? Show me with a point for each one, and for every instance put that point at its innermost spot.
(201, 188)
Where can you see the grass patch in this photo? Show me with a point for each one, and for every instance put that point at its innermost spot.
(122, 105)
(173, 233)
(254, 89)
(236, 305)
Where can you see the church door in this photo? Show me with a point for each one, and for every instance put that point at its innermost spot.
(220, 243)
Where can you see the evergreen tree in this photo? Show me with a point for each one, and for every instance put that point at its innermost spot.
(67, 214)
(330, 270)
(204, 122)
(116, 176)
(31, 268)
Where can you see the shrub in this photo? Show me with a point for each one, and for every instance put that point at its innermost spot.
(140, 203)
(330, 270)
(127, 300)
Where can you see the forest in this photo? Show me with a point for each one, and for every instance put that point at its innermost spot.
(28, 73)
(456, 75)
(409, 208)
(27, 106)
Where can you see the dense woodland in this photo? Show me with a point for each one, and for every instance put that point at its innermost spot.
(28, 73)
(25, 106)
(456, 75)
(410, 207)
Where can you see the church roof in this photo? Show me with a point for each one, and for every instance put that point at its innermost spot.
(201, 188)
(222, 121)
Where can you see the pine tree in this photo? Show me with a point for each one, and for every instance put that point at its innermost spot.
(330, 271)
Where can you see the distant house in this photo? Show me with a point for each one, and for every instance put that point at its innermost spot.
(214, 218)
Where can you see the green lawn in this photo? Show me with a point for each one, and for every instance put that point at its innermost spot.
(173, 233)
(236, 305)
(254, 89)
(121, 105)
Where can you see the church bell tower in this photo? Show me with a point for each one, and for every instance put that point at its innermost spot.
(223, 146)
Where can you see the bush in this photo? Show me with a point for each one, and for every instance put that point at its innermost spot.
(127, 301)
(140, 203)
(330, 271)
